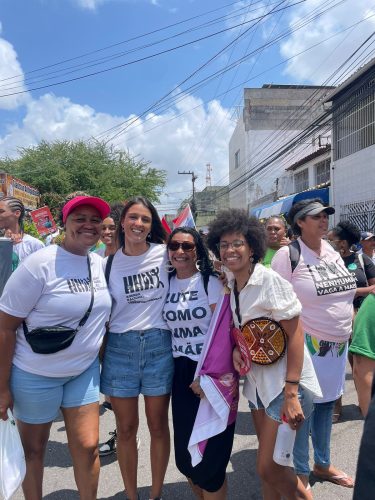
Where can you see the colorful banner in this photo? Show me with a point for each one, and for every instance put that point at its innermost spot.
(185, 219)
(43, 221)
(10, 186)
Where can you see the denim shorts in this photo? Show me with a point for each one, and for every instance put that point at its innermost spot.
(274, 409)
(37, 399)
(137, 362)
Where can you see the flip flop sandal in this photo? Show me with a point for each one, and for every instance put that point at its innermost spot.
(340, 479)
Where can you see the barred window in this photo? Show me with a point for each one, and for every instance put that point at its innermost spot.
(322, 171)
(354, 122)
(301, 181)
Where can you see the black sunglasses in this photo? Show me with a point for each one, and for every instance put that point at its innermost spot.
(186, 246)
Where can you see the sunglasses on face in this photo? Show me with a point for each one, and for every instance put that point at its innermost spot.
(236, 244)
(186, 246)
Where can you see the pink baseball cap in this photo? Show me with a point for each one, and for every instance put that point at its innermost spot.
(101, 206)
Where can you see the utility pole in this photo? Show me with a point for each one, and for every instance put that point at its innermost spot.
(193, 179)
(208, 174)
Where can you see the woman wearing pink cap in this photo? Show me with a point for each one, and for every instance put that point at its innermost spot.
(52, 319)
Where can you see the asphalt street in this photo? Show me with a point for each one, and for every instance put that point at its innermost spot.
(243, 482)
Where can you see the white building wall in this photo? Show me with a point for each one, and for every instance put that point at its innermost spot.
(238, 142)
(353, 179)
(271, 118)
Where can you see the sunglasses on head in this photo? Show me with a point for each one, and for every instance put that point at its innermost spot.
(186, 246)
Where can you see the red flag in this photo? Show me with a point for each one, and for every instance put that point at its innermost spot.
(166, 225)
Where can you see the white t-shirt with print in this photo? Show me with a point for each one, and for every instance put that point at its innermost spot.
(188, 314)
(325, 288)
(27, 246)
(52, 287)
(139, 286)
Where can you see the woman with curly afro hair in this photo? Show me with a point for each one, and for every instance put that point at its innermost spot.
(287, 386)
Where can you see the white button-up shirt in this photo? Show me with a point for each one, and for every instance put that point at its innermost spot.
(267, 294)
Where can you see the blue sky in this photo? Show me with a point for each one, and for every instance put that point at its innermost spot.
(180, 135)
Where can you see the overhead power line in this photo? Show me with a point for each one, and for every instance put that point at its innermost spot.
(141, 59)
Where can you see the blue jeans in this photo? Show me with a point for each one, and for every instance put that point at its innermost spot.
(320, 425)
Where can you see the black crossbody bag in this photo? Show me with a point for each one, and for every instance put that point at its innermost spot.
(51, 339)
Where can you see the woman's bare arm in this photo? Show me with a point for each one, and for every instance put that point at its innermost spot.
(8, 327)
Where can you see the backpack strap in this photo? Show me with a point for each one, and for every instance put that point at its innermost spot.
(360, 258)
(294, 253)
(108, 267)
(206, 279)
(362, 263)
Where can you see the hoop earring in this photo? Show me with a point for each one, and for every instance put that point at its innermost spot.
(169, 268)
(197, 265)
(149, 236)
(251, 259)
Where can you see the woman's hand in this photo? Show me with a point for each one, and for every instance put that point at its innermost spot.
(195, 386)
(6, 401)
(292, 410)
(284, 241)
(364, 291)
(238, 362)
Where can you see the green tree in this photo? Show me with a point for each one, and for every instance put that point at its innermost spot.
(58, 168)
(29, 228)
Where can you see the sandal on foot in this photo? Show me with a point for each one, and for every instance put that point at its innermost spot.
(109, 446)
(341, 479)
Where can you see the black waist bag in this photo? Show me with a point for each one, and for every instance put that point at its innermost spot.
(51, 339)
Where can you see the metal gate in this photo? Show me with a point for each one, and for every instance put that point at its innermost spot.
(360, 213)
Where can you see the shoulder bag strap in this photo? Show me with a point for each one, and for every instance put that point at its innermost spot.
(87, 313)
(294, 253)
(237, 300)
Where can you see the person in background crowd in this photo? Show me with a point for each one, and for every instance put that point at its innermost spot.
(62, 283)
(287, 386)
(12, 213)
(343, 238)
(138, 356)
(109, 231)
(326, 290)
(193, 287)
(365, 478)
(362, 348)
(367, 243)
(276, 231)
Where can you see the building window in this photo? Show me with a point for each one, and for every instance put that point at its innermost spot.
(237, 159)
(322, 171)
(354, 122)
(301, 181)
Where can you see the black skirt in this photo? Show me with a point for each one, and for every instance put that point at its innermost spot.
(209, 474)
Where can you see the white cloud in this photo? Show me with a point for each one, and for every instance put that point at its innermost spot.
(187, 142)
(89, 4)
(317, 64)
(11, 75)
